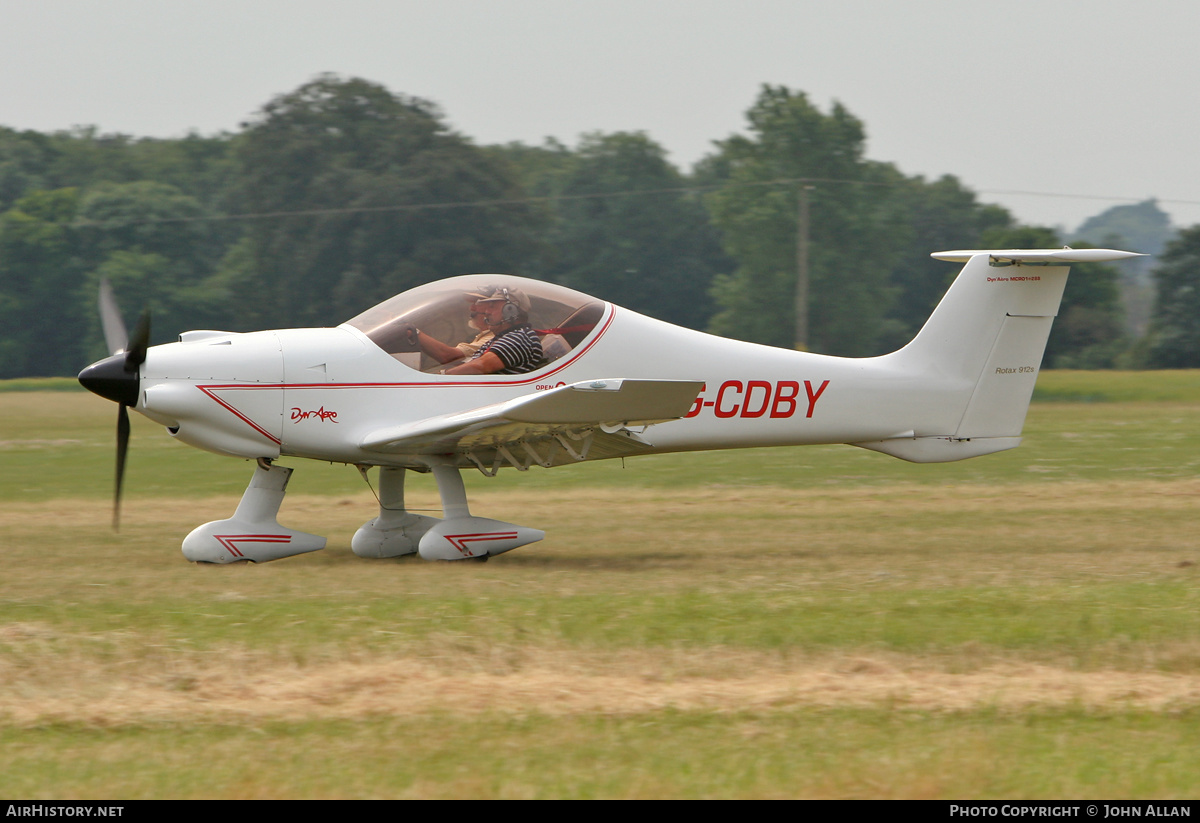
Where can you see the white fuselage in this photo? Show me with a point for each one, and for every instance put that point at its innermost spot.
(316, 392)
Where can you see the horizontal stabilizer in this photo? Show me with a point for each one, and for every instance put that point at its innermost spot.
(1064, 256)
(609, 403)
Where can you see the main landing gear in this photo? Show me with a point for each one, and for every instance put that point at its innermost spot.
(458, 536)
(254, 533)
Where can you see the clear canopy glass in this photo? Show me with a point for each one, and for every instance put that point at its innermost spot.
(561, 317)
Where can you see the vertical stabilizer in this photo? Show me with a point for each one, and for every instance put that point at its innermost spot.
(984, 343)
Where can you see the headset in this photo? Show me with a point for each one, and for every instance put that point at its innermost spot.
(512, 309)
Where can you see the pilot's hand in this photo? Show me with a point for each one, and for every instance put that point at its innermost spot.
(411, 335)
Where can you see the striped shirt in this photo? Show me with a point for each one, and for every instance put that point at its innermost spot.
(519, 349)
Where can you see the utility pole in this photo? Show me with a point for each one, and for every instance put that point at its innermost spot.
(801, 343)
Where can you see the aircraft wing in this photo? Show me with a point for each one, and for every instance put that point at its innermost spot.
(560, 425)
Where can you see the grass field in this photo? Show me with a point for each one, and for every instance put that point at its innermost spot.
(820, 622)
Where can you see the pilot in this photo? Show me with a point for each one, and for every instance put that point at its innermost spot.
(512, 348)
(444, 353)
(515, 349)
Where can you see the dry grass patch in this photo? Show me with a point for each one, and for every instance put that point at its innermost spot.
(231, 685)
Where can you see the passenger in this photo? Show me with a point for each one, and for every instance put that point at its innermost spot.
(514, 347)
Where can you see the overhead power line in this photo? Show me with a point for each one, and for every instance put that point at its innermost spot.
(519, 201)
(463, 204)
(1104, 197)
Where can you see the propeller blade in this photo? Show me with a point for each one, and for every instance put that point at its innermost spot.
(135, 352)
(122, 450)
(118, 376)
(115, 336)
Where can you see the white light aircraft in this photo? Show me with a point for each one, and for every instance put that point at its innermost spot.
(382, 390)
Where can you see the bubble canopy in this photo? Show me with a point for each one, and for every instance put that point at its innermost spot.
(561, 317)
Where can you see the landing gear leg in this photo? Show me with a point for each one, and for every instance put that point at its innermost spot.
(253, 533)
(396, 531)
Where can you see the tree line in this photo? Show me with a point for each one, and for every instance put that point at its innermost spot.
(341, 193)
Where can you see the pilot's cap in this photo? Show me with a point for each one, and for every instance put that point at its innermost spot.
(508, 294)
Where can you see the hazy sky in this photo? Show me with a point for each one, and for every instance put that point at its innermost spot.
(1093, 98)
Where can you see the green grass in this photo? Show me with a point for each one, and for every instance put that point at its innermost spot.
(820, 622)
(834, 754)
(40, 384)
(1092, 627)
(1176, 386)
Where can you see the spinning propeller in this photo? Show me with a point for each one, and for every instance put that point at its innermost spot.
(117, 377)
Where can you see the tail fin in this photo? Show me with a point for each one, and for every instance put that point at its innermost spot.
(987, 336)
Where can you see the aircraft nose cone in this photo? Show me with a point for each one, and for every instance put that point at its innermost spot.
(110, 379)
